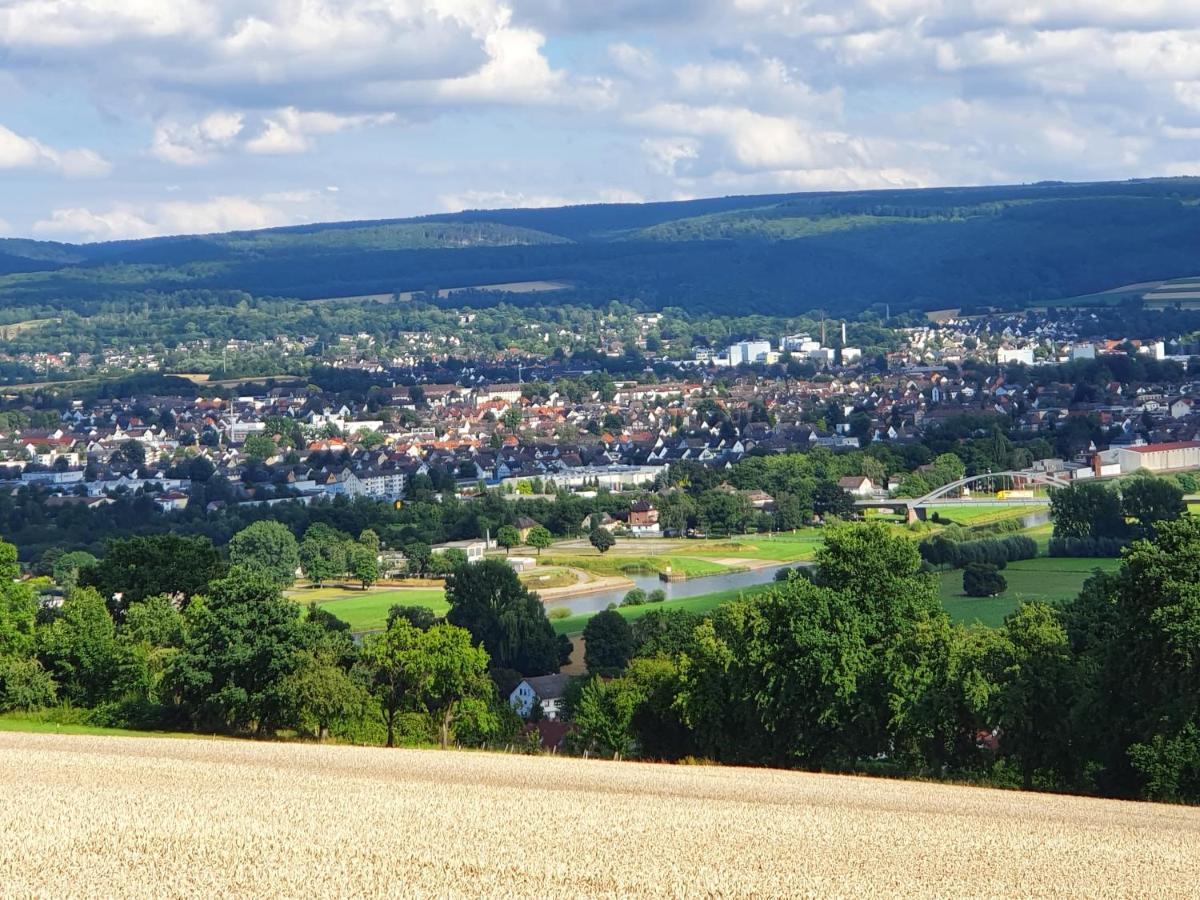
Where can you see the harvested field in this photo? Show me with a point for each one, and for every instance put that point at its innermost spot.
(104, 817)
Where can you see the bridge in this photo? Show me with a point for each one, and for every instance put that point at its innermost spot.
(952, 494)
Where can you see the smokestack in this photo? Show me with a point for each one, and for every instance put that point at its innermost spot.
(843, 334)
(822, 332)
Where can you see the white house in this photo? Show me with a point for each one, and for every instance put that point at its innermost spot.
(548, 690)
(858, 485)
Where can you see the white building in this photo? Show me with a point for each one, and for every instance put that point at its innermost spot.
(548, 690)
(746, 352)
(851, 355)
(1022, 355)
(1171, 457)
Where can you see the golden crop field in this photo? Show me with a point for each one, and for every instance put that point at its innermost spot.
(147, 817)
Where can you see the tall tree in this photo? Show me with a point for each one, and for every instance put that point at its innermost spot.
(488, 600)
(267, 547)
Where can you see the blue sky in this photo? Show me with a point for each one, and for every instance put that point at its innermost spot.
(132, 118)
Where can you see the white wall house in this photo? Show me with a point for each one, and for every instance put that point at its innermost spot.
(546, 689)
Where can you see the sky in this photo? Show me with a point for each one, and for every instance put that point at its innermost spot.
(136, 118)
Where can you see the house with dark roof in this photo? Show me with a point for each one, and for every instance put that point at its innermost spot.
(545, 690)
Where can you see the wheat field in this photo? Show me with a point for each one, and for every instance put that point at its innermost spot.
(144, 817)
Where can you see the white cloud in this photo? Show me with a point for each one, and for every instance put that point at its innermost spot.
(518, 199)
(289, 130)
(124, 220)
(196, 143)
(18, 152)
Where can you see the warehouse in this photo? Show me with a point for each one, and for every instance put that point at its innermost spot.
(1159, 457)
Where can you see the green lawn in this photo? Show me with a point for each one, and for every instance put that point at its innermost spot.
(781, 547)
(699, 604)
(34, 723)
(617, 564)
(979, 515)
(1052, 579)
(368, 610)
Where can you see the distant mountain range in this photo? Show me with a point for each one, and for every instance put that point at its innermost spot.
(780, 254)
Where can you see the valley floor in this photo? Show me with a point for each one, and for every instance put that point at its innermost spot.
(105, 816)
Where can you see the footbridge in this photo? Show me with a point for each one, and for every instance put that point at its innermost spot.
(1008, 488)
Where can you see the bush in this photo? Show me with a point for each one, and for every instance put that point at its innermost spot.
(1079, 547)
(658, 595)
(558, 612)
(635, 597)
(983, 580)
(997, 552)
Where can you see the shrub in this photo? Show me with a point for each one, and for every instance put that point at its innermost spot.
(558, 612)
(983, 580)
(658, 595)
(635, 597)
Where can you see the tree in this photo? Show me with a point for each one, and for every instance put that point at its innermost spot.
(1036, 692)
(140, 567)
(601, 539)
(82, 653)
(259, 447)
(364, 565)
(451, 680)
(512, 418)
(320, 694)
(322, 554)
(1086, 510)
(508, 537)
(603, 716)
(828, 499)
(509, 621)
(1149, 500)
(242, 642)
(540, 538)
(634, 597)
(267, 547)
(608, 643)
(420, 617)
(983, 580)
(392, 680)
(68, 566)
(369, 538)
(418, 555)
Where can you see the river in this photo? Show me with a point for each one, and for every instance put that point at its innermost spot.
(675, 590)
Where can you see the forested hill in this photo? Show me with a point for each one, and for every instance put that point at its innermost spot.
(912, 249)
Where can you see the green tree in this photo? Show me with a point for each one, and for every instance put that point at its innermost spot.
(508, 537)
(450, 675)
(1086, 510)
(539, 538)
(369, 538)
(82, 653)
(364, 565)
(1036, 693)
(68, 566)
(1149, 500)
(242, 643)
(603, 716)
(322, 556)
(983, 580)
(601, 539)
(608, 642)
(319, 695)
(259, 447)
(139, 567)
(512, 418)
(488, 600)
(267, 547)
(392, 680)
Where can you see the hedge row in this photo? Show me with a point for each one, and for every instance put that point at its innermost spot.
(939, 551)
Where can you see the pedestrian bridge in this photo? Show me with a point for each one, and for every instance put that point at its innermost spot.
(952, 494)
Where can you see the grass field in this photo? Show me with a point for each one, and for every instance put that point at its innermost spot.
(35, 723)
(137, 817)
(617, 563)
(1052, 579)
(979, 515)
(368, 610)
(699, 604)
